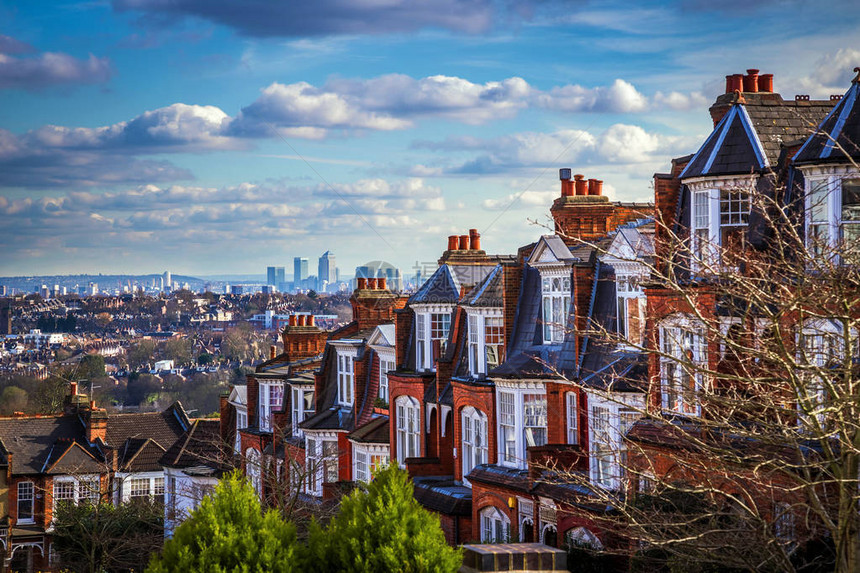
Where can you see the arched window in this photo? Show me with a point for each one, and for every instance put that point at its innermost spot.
(549, 536)
(582, 537)
(527, 530)
(495, 526)
(408, 428)
(474, 436)
(253, 469)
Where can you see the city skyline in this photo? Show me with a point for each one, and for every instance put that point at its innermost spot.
(145, 135)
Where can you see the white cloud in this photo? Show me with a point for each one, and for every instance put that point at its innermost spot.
(620, 97)
(38, 71)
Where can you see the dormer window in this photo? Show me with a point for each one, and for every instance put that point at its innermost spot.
(345, 377)
(630, 309)
(555, 304)
(833, 213)
(720, 217)
(431, 337)
(271, 401)
(486, 343)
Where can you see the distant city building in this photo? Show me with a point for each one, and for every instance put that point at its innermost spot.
(300, 270)
(168, 281)
(275, 276)
(268, 289)
(381, 269)
(5, 319)
(327, 272)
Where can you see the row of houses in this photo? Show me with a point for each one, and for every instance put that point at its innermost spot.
(503, 371)
(85, 455)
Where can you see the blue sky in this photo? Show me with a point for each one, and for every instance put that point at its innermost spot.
(214, 136)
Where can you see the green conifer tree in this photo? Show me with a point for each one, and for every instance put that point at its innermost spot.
(230, 533)
(382, 529)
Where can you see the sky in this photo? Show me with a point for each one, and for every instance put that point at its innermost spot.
(215, 136)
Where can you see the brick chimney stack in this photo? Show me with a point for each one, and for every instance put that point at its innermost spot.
(97, 420)
(582, 212)
(761, 85)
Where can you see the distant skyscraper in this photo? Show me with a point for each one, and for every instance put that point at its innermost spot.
(168, 281)
(274, 276)
(300, 270)
(327, 274)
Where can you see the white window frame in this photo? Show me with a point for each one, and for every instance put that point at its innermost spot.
(321, 460)
(474, 439)
(629, 294)
(366, 458)
(495, 525)
(299, 412)
(425, 314)
(832, 223)
(609, 420)
(267, 391)
(706, 221)
(478, 323)
(241, 424)
(571, 409)
(26, 492)
(345, 376)
(683, 358)
(387, 364)
(254, 469)
(407, 428)
(820, 342)
(513, 426)
(555, 304)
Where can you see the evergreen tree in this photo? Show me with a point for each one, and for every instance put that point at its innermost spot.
(383, 529)
(230, 533)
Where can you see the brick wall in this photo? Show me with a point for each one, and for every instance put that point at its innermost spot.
(481, 398)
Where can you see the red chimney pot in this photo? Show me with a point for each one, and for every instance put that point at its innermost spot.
(765, 83)
(581, 185)
(371, 284)
(452, 242)
(751, 81)
(293, 320)
(464, 243)
(362, 283)
(381, 283)
(595, 187)
(311, 321)
(474, 240)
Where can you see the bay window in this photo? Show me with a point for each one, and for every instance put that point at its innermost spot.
(321, 455)
(822, 359)
(555, 305)
(486, 342)
(522, 420)
(271, 401)
(474, 439)
(254, 470)
(367, 458)
(682, 361)
(408, 428)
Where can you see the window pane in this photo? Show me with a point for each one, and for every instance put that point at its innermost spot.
(851, 200)
(819, 209)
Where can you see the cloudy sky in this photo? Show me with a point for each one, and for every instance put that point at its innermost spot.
(215, 136)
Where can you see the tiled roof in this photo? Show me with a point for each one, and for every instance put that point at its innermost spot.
(68, 457)
(199, 446)
(838, 135)
(31, 440)
(444, 286)
(335, 418)
(129, 434)
(732, 148)
(374, 432)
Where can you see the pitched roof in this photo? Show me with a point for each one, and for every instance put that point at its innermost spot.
(753, 133)
(444, 286)
(68, 457)
(838, 135)
(334, 418)
(32, 440)
(139, 437)
(443, 494)
(732, 148)
(487, 293)
(374, 432)
(199, 446)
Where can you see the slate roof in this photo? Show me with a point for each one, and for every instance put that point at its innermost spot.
(444, 286)
(374, 432)
(605, 367)
(334, 418)
(838, 134)
(443, 494)
(38, 442)
(547, 485)
(199, 446)
(753, 132)
(68, 457)
(489, 292)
